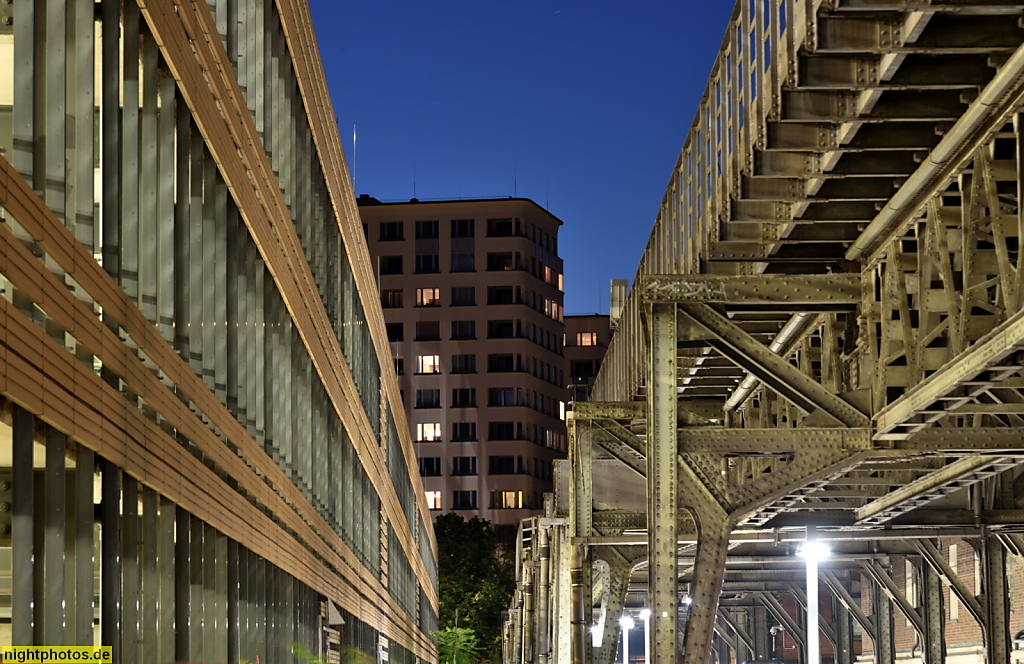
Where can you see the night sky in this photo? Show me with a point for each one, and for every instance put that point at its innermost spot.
(581, 106)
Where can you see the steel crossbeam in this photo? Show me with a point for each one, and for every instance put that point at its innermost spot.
(754, 357)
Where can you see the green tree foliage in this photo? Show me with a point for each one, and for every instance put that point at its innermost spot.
(476, 575)
(457, 646)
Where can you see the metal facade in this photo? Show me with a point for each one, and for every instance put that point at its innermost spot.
(203, 451)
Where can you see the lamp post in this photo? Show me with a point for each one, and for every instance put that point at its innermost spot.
(813, 552)
(645, 615)
(626, 622)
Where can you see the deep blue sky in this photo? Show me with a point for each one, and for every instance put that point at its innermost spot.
(581, 105)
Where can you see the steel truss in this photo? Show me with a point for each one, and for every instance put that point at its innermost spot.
(827, 331)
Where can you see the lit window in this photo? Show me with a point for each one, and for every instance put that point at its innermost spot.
(434, 500)
(428, 297)
(506, 500)
(586, 338)
(428, 432)
(428, 364)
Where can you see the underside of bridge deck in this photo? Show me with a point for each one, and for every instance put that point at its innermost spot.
(826, 335)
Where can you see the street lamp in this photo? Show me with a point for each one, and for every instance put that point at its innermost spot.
(813, 552)
(645, 615)
(626, 622)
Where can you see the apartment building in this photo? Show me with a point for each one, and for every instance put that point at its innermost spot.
(472, 298)
(586, 342)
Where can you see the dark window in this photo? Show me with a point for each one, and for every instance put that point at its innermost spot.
(392, 231)
(430, 466)
(391, 299)
(463, 431)
(396, 331)
(428, 398)
(427, 264)
(463, 262)
(502, 465)
(500, 260)
(464, 465)
(463, 329)
(426, 230)
(505, 396)
(501, 329)
(502, 363)
(502, 227)
(501, 295)
(428, 330)
(464, 397)
(399, 365)
(463, 500)
(463, 296)
(391, 265)
(582, 368)
(463, 364)
(501, 431)
(463, 228)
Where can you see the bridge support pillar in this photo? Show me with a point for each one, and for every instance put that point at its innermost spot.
(996, 601)
(934, 617)
(842, 624)
(615, 600)
(884, 642)
(662, 490)
(757, 619)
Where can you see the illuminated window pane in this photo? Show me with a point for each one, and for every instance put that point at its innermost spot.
(428, 364)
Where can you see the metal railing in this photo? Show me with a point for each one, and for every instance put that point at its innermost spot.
(757, 58)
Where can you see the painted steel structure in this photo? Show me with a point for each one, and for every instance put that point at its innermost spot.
(825, 331)
(203, 451)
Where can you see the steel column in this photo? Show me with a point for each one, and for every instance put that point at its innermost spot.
(662, 492)
(996, 601)
(933, 615)
(884, 640)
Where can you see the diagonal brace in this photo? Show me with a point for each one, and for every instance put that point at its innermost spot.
(753, 356)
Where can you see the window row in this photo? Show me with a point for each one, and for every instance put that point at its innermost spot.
(465, 330)
(394, 231)
(431, 432)
(465, 397)
(465, 261)
(496, 363)
(497, 465)
(507, 500)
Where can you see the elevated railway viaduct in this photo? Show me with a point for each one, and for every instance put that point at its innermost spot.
(823, 339)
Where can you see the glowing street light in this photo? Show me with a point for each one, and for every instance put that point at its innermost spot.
(813, 552)
(626, 622)
(645, 615)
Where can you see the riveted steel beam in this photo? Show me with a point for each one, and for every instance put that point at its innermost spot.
(965, 440)
(777, 290)
(688, 412)
(840, 592)
(927, 488)
(779, 612)
(996, 601)
(771, 441)
(662, 488)
(931, 399)
(934, 558)
(800, 596)
(933, 617)
(806, 393)
(888, 586)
